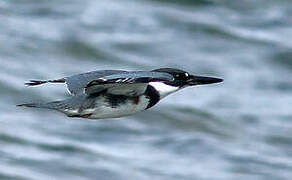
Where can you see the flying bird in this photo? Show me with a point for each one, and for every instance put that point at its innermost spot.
(116, 93)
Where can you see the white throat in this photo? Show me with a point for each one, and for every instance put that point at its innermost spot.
(163, 89)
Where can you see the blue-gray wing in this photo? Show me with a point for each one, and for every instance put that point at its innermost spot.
(77, 83)
(126, 83)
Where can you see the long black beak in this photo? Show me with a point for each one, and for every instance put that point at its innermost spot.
(197, 80)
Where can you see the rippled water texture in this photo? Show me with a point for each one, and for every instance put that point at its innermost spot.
(240, 129)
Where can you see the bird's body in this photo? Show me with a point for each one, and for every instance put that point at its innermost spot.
(116, 93)
(104, 106)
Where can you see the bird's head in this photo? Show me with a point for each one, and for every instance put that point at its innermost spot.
(184, 79)
(181, 79)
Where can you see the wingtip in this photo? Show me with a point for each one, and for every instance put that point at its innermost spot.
(35, 83)
(26, 105)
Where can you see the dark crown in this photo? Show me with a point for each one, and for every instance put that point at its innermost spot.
(176, 73)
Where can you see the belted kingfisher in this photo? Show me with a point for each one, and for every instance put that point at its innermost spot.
(117, 93)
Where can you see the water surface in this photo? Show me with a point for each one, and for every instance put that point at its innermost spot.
(240, 129)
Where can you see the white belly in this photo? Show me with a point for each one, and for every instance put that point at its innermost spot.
(103, 110)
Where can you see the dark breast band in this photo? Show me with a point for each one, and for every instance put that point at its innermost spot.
(152, 95)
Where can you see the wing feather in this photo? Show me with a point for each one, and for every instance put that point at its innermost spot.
(130, 83)
(76, 83)
(127, 83)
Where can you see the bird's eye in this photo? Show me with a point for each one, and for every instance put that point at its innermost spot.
(182, 76)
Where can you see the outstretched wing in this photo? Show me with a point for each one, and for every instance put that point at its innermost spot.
(114, 81)
(76, 83)
(126, 83)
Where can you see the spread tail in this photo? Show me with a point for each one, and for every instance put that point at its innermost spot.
(39, 82)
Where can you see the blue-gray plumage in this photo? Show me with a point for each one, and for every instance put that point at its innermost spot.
(117, 93)
(76, 83)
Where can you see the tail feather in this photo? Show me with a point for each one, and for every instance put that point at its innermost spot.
(40, 82)
(69, 106)
(57, 105)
